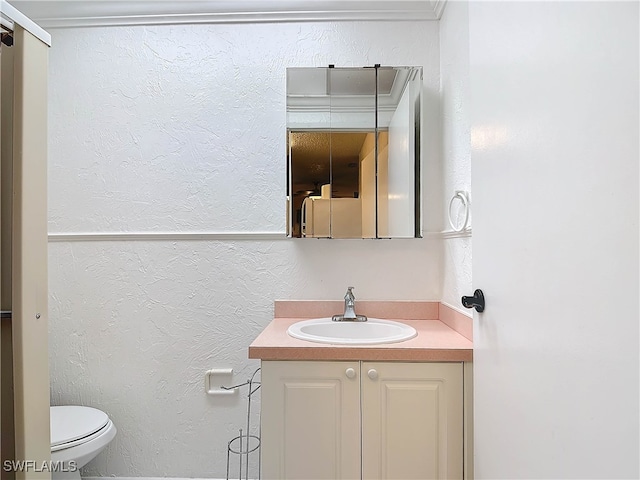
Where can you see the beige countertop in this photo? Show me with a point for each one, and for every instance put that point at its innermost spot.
(435, 342)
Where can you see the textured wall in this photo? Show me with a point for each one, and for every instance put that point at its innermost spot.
(456, 145)
(182, 129)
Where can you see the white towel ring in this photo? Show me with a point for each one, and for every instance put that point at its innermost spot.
(462, 195)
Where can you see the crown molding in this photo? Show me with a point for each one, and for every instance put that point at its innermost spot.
(438, 7)
(10, 16)
(96, 13)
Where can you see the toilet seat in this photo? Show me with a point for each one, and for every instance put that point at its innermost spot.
(75, 425)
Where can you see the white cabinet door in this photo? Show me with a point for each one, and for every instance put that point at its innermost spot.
(310, 420)
(412, 420)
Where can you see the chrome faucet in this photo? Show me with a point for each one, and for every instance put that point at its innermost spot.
(349, 309)
(349, 304)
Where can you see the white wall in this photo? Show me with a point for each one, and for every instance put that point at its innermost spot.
(183, 129)
(367, 192)
(456, 145)
(400, 172)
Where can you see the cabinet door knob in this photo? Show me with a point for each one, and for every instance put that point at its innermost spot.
(350, 373)
(373, 374)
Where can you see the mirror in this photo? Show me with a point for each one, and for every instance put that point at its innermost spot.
(353, 152)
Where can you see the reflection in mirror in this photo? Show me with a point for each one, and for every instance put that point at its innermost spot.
(353, 162)
(398, 167)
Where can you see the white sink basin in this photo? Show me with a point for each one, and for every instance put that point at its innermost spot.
(374, 330)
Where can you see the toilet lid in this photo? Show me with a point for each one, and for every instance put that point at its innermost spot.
(70, 423)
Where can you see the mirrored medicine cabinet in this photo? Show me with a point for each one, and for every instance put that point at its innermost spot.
(353, 152)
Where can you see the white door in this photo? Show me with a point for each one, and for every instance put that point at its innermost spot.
(554, 128)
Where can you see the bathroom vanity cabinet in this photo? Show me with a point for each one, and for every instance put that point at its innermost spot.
(370, 412)
(361, 419)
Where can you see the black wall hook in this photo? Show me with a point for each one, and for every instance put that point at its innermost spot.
(477, 301)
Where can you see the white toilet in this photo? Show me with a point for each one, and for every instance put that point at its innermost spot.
(78, 434)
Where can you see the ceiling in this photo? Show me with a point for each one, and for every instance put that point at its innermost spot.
(346, 89)
(339, 81)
